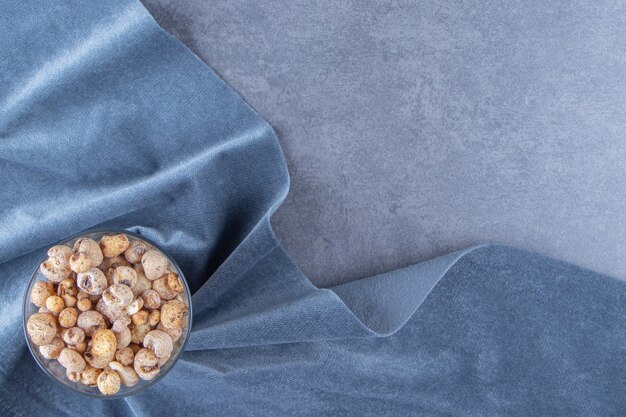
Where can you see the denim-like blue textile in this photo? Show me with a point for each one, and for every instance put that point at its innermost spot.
(106, 120)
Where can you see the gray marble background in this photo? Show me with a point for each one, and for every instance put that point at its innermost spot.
(413, 128)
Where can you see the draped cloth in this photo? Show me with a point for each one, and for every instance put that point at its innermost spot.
(108, 121)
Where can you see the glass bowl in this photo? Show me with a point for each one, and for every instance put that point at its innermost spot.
(56, 371)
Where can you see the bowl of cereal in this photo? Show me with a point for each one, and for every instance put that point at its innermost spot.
(107, 313)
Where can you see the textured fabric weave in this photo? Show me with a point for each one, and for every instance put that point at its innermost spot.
(106, 120)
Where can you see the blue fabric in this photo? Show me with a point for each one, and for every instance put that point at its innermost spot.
(106, 120)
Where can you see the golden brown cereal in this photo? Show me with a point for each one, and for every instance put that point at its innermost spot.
(135, 251)
(91, 248)
(41, 291)
(174, 282)
(154, 264)
(80, 262)
(103, 343)
(164, 291)
(90, 376)
(81, 347)
(109, 382)
(151, 299)
(125, 275)
(42, 328)
(68, 317)
(125, 356)
(160, 343)
(54, 269)
(73, 376)
(90, 321)
(113, 245)
(73, 336)
(53, 350)
(71, 360)
(146, 364)
(55, 304)
(141, 317)
(93, 281)
(155, 316)
(84, 304)
(172, 314)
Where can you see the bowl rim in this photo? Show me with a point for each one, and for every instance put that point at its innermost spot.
(26, 303)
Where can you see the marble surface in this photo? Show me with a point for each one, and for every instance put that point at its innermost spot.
(412, 129)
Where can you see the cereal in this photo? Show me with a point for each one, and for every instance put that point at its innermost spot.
(113, 245)
(42, 328)
(110, 312)
(41, 291)
(125, 356)
(109, 382)
(154, 264)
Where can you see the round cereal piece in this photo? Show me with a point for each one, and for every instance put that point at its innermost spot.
(109, 382)
(73, 336)
(90, 321)
(174, 282)
(62, 253)
(125, 356)
(151, 299)
(138, 332)
(118, 295)
(128, 376)
(90, 375)
(80, 347)
(165, 292)
(40, 293)
(54, 270)
(140, 317)
(135, 251)
(154, 264)
(93, 282)
(123, 338)
(160, 343)
(67, 287)
(175, 334)
(82, 295)
(80, 262)
(73, 376)
(91, 248)
(154, 317)
(71, 360)
(125, 275)
(68, 317)
(146, 364)
(113, 245)
(84, 304)
(142, 283)
(53, 350)
(135, 306)
(55, 304)
(103, 343)
(172, 314)
(42, 328)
